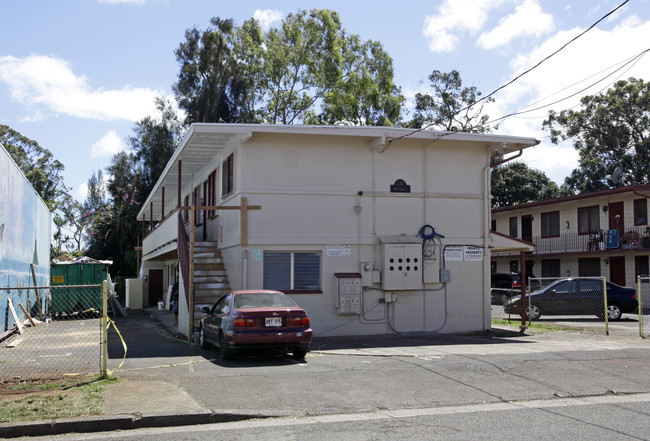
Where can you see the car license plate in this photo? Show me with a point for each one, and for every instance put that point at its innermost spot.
(273, 321)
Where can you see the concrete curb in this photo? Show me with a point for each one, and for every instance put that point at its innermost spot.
(104, 423)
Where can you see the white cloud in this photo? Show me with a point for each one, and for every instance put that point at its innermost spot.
(528, 19)
(109, 145)
(81, 192)
(581, 64)
(49, 82)
(266, 17)
(456, 17)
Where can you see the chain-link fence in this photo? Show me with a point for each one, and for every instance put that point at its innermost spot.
(643, 295)
(49, 332)
(578, 299)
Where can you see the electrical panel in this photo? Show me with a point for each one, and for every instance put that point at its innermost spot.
(402, 267)
(349, 293)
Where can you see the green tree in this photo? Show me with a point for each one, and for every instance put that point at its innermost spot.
(451, 107)
(610, 130)
(38, 165)
(45, 174)
(308, 70)
(153, 143)
(514, 183)
(366, 93)
(216, 80)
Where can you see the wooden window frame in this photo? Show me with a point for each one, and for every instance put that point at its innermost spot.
(548, 217)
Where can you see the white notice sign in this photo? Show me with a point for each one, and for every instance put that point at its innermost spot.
(473, 253)
(453, 253)
(338, 250)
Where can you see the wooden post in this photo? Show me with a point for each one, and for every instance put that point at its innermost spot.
(38, 293)
(243, 222)
(178, 189)
(190, 305)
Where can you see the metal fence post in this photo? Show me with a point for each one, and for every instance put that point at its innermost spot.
(104, 325)
(640, 307)
(606, 306)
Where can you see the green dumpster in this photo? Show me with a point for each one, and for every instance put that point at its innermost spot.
(70, 276)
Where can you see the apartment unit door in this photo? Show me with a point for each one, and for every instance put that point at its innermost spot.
(617, 270)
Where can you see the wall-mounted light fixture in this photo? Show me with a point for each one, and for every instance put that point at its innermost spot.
(568, 273)
(567, 225)
(606, 261)
(605, 208)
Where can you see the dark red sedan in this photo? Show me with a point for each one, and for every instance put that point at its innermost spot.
(255, 319)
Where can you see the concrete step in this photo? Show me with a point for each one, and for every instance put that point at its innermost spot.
(210, 279)
(208, 260)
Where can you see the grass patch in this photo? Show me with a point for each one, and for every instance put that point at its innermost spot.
(59, 399)
(515, 323)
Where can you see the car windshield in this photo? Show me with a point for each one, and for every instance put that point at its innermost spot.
(262, 299)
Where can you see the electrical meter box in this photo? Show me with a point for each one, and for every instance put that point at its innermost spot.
(402, 266)
(349, 293)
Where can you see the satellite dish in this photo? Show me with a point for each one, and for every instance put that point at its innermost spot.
(618, 175)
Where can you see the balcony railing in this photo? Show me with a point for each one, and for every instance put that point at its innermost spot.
(632, 239)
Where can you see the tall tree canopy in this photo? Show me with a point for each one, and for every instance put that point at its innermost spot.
(307, 70)
(610, 130)
(46, 176)
(514, 183)
(451, 107)
(38, 165)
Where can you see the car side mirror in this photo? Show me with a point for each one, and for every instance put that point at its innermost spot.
(206, 309)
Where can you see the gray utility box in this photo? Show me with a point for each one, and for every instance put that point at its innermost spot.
(402, 266)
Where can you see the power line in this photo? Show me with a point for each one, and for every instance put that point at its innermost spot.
(388, 142)
(631, 61)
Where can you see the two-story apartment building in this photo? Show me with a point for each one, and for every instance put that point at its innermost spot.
(331, 216)
(594, 234)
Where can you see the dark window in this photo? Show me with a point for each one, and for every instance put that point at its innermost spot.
(588, 220)
(228, 176)
(493, 225)
(551, 268)
(641, 212)
(286, 271)
(641, 266)
(551, 224)
(589, 267)
(513, 227)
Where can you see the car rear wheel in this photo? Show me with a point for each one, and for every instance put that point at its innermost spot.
(533, 312)
(204, 344)
(613, 311)
(224, 348)
(299, 354)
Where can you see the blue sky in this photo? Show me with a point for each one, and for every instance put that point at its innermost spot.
(76, 75)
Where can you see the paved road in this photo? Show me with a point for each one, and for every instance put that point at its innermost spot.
(608, 417)
(503, 385)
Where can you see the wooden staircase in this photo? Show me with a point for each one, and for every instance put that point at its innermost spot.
(210, 278)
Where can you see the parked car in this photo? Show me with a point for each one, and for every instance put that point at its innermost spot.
(504, 286)
(576, 297)
(254, 320)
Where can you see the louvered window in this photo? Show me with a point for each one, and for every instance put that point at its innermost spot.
(287, 271)
(228, 176)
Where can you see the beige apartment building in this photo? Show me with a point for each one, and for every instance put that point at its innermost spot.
(340, 218)
(595, 234)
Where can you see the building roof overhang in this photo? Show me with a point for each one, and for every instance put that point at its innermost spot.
(500, 243)
(207, 142)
